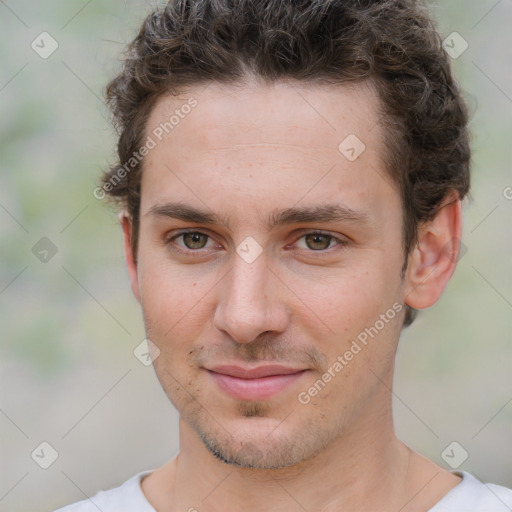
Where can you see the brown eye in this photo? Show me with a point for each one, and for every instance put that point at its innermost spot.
(193, 244)
(194, 240)
(318, 241)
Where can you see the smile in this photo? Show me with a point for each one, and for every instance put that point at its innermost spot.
(254, 384)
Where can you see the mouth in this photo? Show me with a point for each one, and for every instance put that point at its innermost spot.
(254, 383)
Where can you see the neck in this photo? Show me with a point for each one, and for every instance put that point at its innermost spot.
(348, 474)
(365, 465)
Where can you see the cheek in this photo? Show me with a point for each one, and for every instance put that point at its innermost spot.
(358, 338)
(172, 291)
(169, 319)
(351, 298)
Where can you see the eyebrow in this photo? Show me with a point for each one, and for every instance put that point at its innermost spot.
(301, 214)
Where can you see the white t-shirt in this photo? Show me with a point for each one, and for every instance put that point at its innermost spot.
(470, 495)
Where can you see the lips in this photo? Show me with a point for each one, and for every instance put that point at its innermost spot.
(254, 373)
(254, 383)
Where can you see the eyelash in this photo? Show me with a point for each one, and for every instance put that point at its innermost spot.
(198, 253)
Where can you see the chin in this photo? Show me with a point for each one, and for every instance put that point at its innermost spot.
(262, 442)
(253, 455)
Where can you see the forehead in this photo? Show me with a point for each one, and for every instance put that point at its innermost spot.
(280, 112)
(265, 146)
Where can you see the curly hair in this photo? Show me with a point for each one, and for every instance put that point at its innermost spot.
(393, 44)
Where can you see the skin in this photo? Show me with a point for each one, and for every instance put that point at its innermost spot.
(242, 153)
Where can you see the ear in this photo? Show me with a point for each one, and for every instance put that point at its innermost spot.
(126, 224)
(434, 259)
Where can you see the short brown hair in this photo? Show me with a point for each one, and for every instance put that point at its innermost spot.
(394, 44)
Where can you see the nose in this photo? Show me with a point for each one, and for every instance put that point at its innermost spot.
(249, 302)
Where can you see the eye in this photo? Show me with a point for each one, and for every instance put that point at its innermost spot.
(193, 242)
(319, 241)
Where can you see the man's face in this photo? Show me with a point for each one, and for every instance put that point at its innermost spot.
(241, 294)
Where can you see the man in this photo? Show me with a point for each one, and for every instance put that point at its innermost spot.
(291, 176)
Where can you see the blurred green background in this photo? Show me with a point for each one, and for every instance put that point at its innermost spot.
(69, 325)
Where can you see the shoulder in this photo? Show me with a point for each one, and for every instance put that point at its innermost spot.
(472, 495)
(125, 498)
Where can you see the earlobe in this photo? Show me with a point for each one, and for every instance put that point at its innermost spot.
(126, 225)
(434, 259)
